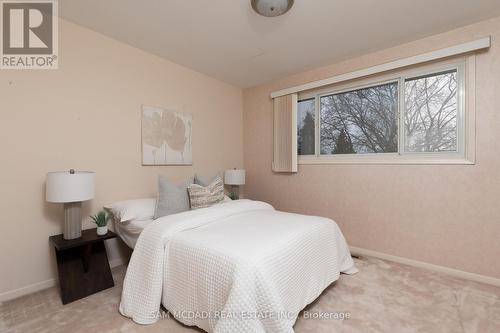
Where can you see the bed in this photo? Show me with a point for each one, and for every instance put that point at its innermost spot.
(129, 231)
(240, 266)
(131, 217)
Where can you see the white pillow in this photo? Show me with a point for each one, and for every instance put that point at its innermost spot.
(128, 210)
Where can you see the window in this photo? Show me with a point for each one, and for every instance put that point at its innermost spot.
(305, 127)
(431, 106)
(411, 115)
(360, 121)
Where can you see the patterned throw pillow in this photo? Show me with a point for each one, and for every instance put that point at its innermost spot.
(206, 196)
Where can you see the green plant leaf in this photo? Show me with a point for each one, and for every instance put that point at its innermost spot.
(100, 219)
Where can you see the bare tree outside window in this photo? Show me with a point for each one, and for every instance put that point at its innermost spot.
(431, 113)
(306, 127)
(417, 115)
(360, 121)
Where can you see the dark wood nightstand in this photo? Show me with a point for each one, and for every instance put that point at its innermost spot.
(82, 264)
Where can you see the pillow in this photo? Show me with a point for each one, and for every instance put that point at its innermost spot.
(206, 196)
(172, 198)
(128, 210)
(203, 182)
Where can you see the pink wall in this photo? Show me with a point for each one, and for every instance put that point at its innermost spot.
(446, 215)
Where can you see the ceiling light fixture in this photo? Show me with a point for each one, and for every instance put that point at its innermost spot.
(272, 8)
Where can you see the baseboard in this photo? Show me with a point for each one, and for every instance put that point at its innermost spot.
(420, 264)
(29, 289)
(39, 286)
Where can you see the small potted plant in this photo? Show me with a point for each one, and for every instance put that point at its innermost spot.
(101, 220)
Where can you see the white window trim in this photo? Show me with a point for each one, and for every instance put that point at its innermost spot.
(465, 154)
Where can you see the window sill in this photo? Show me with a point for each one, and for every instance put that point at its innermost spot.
(396, 160)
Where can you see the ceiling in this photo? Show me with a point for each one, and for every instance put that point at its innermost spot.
(227, 40)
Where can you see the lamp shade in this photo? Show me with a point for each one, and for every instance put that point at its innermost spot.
(65, 186)
(234, 177)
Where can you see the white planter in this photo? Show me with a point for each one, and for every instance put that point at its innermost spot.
(101, 231)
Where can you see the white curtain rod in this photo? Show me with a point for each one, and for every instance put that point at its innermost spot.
(475, 45)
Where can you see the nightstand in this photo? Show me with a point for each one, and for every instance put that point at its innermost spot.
(82, 265)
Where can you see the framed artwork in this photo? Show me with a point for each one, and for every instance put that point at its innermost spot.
(166, 137)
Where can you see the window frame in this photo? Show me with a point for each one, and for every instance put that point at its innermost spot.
(464, 66)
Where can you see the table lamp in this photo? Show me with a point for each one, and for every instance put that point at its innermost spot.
(71, 188)
(235, 178)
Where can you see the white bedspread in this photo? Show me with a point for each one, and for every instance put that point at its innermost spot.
(236, 267)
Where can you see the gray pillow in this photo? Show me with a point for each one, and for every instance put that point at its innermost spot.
(172, 198)
(203, 182)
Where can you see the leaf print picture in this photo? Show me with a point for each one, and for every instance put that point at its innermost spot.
(166, 137)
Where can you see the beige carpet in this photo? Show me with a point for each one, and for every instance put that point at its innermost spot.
(382, 297)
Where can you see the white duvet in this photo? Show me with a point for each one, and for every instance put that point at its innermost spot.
(236, 267)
